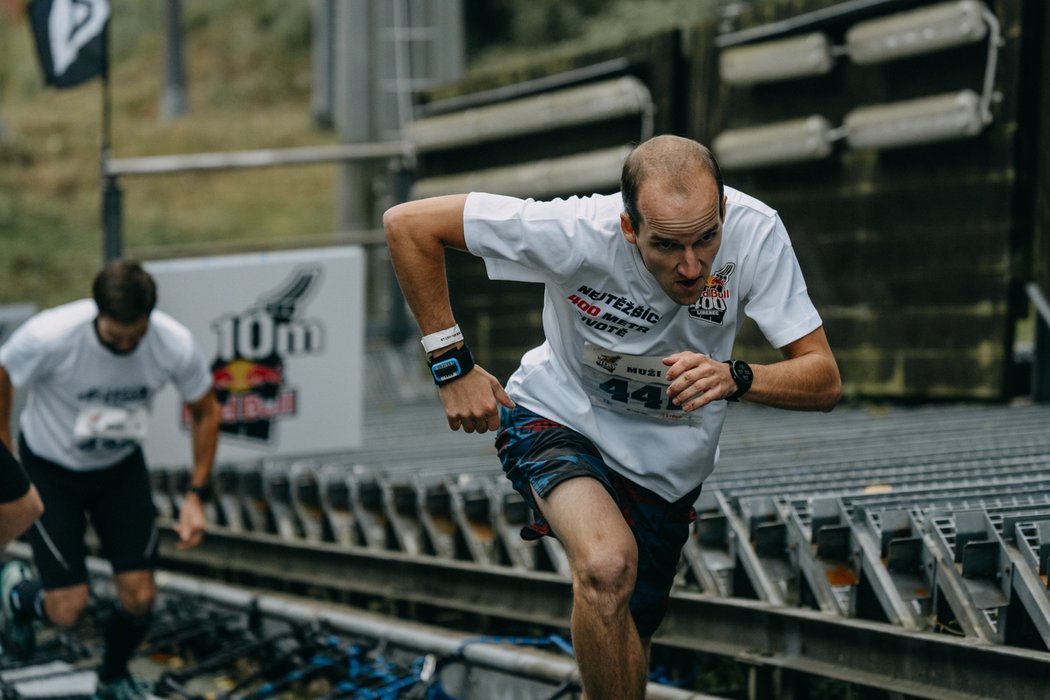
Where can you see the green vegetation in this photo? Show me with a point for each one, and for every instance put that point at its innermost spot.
(501, 32)
(248, 67)
(248, 74)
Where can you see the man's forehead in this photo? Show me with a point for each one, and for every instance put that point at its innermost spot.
(132, 325)
(669, 197)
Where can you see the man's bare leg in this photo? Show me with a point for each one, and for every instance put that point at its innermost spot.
(604, 559)
(64, 606)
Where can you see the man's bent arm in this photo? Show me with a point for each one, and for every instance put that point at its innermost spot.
(204, 437)
(417, 234)
(7, 400)
(16, 516)
(807, 380)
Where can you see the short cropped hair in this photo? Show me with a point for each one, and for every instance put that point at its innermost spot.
(664, 156)
(124, 291)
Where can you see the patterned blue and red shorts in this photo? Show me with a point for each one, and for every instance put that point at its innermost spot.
(540, 453)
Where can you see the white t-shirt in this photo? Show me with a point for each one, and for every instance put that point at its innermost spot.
(608, 323)
(87, 406)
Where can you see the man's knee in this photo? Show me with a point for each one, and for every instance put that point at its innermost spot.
(136, 591)
(139, 603)
(32, 506)
(607, 575)
(64, 606)
(34, 496)
(16, 516)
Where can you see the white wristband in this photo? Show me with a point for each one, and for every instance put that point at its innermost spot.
(442, 339)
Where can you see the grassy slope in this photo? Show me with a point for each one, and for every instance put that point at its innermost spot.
(247, 65)
(248, 75)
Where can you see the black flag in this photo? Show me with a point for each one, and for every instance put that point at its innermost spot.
(70, 39)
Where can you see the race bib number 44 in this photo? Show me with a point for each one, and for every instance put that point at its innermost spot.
(634, 384)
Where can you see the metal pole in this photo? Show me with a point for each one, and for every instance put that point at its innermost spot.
(447, 49)
(1041, 366)
(1041, 352)
(322, 61)
(399, 327)
(111, 202)
(174, 103)
(111, 218)
(354, 109)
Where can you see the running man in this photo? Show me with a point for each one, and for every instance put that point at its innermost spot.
(609, 428)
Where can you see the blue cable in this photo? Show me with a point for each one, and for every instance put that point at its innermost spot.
(563, 644)
(549, 640)
(659, 675)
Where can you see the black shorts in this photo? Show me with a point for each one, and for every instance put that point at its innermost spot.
(14, 482)
(117, 501)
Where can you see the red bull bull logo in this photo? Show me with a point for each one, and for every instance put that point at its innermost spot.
(248, 372)
(252, 395)
(714, 300)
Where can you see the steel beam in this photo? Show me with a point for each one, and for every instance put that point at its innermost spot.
(540, 597)
(262, 158)
(855, 651)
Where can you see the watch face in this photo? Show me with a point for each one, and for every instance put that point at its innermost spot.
(742, 372)
(446, 369)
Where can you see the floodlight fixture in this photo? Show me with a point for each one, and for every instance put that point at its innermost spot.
(770, 61)
(919, 31)
(797, 140)
(583, 173)
(568, 107)
(944, 117)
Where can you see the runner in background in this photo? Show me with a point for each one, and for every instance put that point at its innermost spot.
(91, 369)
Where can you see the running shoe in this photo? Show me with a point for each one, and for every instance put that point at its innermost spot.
(126, 688)
(18, 636)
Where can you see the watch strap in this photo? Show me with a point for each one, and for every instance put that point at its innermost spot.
(451, 365)
(743, 384)
(203, 492)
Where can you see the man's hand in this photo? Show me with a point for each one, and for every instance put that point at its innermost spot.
(192, 522)
(472, 401)
(696, 380)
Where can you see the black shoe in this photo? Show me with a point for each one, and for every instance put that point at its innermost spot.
(126, 688)
(18, 637)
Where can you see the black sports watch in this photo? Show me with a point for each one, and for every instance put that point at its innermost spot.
(451, 365)
(741, 373)
(203, 492)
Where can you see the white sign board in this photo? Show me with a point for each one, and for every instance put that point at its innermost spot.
(284, 335)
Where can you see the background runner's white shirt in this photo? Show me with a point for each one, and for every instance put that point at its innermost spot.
(87, 406)
(607, 323)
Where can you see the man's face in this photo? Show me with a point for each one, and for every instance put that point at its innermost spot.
(678, 235)
(120, 338)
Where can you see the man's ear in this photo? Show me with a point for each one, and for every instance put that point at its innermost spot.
(628, 229)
